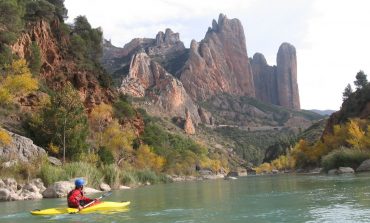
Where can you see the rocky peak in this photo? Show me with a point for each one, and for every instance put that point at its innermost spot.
(287, 76)
(188, 126)
(259, 58)
(167, 38)
(219, 63)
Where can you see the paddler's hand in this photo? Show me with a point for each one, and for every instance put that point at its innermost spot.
(80, 207)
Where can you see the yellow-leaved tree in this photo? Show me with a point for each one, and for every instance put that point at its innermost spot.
(16, 81)
(5, 138)
(99, 118)
(147, 159)
(355, 134)
(118, 140)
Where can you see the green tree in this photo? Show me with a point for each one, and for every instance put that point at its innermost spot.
(60, 10)
(40, 9)
(63, 123)
(10, 21)
(347, 92)
(361, 80)
(123, 108)
(35, 60)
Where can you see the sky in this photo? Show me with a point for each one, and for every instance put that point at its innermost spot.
(332, 37)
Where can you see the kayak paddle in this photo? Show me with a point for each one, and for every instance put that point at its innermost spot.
(92, 202)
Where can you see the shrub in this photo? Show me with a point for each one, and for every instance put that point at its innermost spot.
(147, 176)
(50, 174)
(344, 157)
(128, 178)
(105, 156)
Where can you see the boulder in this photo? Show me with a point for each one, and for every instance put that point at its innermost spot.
(54, 161)
(104, 187)
(365, 166)
(22, 148)
(343, 170)
(58, 189)
(30, 192)
(10, 184)
(61, 188)
(8, 195)
(124, 187)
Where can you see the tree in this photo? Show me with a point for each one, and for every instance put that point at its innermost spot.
(16, 82)
(40, 9)
(99, 118)
(347, 92)
(35, 60)
(60, 10)
(10, 21)
(63, 123)
(361, 80)
(118, 140)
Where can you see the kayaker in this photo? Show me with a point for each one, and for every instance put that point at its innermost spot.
(76, 198)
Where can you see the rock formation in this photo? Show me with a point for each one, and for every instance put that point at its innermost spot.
(172, 77)
(21, 148)
(149, 78)
(58, 66)
(265, 79)
(10, 190)
(188, 126)
(277, 84)
(219, 63)
(287, 76)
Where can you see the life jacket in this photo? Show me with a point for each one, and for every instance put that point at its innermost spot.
(76, 198)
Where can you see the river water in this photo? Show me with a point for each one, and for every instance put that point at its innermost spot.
(282, 198)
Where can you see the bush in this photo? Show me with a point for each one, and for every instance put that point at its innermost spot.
(50, 174)
(123, 108)
(128, 178)
(344, 157)
(147, 176)
(105, 156)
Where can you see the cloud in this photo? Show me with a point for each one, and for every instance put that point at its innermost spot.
(335, 47)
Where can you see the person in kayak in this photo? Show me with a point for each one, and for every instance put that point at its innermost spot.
(76, 198)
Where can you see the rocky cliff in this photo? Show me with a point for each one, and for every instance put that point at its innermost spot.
(287, 76)
(219, 63)
(277, 84)
(175, 78)
(58, 65)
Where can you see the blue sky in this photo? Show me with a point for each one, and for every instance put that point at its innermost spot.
(332, 37)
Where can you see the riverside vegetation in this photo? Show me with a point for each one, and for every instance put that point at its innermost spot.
(346, 144)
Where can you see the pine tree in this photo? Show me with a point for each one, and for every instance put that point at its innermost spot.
(361, 80)
(347, 92)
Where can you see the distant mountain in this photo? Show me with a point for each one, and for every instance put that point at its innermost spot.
(174, 78)
(323, 112)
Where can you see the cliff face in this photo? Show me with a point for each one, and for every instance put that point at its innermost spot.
(277, 84)
(265, 80)
(57, 64)
(174, 78)
(287, 76)
(219, 63)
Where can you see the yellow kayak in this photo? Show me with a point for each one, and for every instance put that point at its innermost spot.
(101, 207)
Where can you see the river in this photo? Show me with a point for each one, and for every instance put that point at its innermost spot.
(281, 198)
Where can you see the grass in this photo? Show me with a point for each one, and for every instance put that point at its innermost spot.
(110, 174)
(344, 157)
